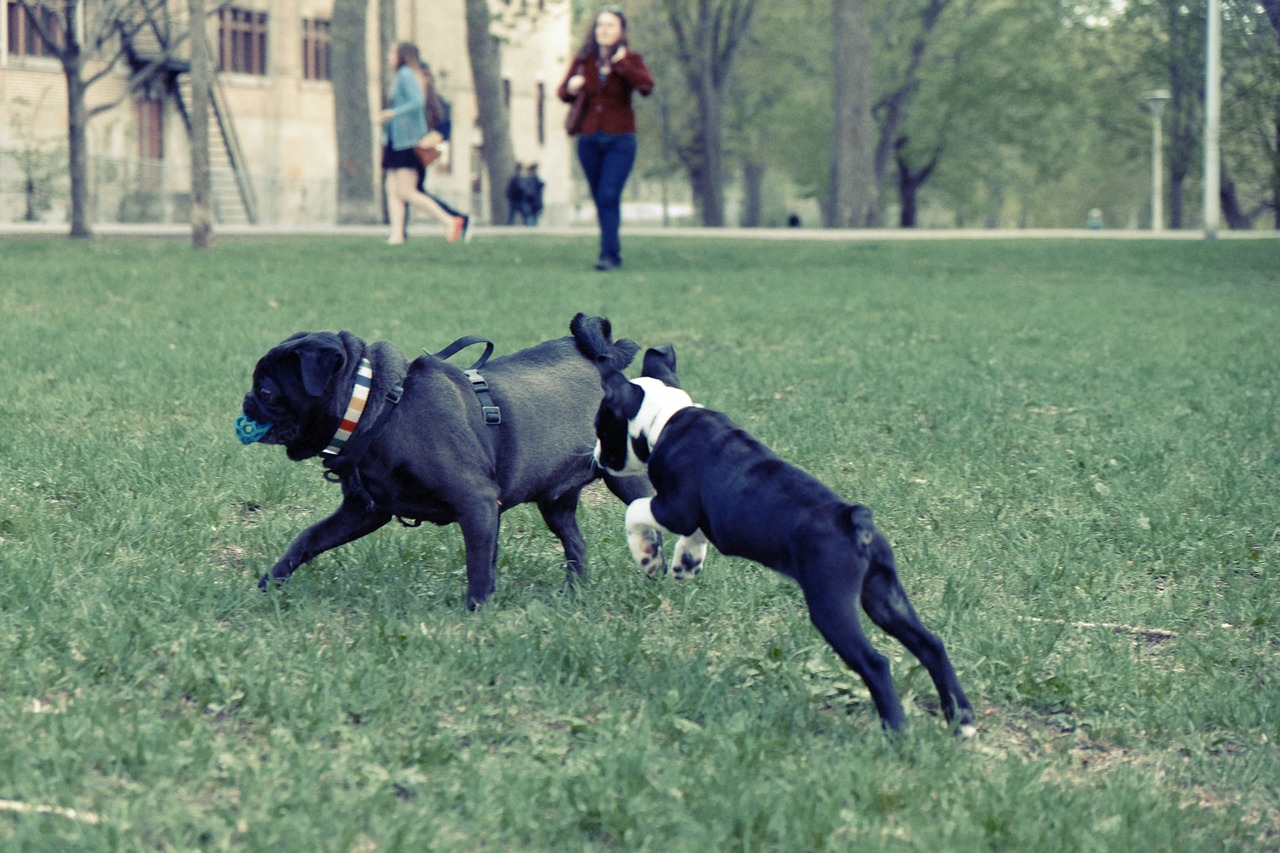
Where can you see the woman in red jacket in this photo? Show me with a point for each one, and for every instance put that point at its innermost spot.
(606, 71)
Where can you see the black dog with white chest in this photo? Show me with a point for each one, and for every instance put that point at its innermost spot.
(717, 484)
(420, 442)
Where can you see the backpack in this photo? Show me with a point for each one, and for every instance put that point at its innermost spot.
(443, 124)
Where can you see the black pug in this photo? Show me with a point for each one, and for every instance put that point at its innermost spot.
(715, 483)
(424, 441)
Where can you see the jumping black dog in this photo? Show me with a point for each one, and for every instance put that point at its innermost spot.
(717, 484)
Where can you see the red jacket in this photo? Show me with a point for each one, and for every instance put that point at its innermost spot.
(608, 105)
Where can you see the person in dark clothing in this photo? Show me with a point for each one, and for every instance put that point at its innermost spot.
(515, 196)
(531, 194)
(605, 71)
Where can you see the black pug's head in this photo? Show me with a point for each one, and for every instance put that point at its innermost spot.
(633, 412)
(292, 401)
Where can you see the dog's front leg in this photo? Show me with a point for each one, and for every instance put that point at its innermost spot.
(690, 552)
(349, 522)
(479, 524)
(644, 538)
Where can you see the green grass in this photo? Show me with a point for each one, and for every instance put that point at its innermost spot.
(1050, 433)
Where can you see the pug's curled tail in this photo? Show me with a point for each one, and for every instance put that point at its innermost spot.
(593, 337)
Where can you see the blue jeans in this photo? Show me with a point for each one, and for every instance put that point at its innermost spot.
(607, 160)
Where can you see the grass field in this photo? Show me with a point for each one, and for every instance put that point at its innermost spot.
(1074, 446)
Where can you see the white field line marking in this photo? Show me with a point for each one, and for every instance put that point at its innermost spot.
(1139, 630)
(28, 808)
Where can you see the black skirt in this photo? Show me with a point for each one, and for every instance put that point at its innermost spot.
(393, 159)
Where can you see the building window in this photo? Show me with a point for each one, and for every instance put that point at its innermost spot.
(242, 41)
(506, 93)
(315, 50)
(24, 38)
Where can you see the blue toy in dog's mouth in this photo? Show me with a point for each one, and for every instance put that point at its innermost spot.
(248, 430)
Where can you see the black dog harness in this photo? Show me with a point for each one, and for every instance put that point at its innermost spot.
(342, 467)
(492, 414)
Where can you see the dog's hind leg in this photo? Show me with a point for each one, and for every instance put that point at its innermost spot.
(833, 611)
(887, 604)
(561, 516)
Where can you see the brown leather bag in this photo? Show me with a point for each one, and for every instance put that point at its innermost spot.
(573, 121)
(428, 148)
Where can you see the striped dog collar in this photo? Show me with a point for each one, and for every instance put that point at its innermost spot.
(359, 396)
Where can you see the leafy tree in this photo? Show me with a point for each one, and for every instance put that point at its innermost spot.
(906, 31)
(707, 35)
(1250, 136)
(989, 123)
(41, 161)
(779, 105)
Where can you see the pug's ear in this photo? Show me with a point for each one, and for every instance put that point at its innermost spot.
(319, 362)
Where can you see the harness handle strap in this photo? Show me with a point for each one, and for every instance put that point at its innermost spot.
(462, 343)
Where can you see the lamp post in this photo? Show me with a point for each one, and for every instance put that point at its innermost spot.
(1212, 118)
(1156, 99)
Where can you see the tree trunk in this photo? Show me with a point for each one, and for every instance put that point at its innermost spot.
(1237, 219)
(1177, 178)
(1274, 10)
(77, 122)
(352, 116)
(752, 193)
(201, 179)
(852, 196)
(707, 42)
(709, 187)
(78, 149)
(386, 74)
(496, 151)
(907, 198)
(910, 181)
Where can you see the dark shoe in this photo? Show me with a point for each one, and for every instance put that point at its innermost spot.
(608, 262)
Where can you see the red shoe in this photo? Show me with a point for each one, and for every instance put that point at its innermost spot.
(458, 229)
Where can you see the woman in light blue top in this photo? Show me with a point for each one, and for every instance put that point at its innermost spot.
(405, 123)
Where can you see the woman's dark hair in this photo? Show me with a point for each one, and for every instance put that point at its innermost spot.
(590, 49)
(407, 54)
(435, 109)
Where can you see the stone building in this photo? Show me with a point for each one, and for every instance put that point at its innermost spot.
(271, 61)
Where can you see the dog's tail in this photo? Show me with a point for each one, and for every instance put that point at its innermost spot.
(593, 337)
(864, 529)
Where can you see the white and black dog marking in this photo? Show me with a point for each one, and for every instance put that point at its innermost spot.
(716, 484)
(660, 402)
